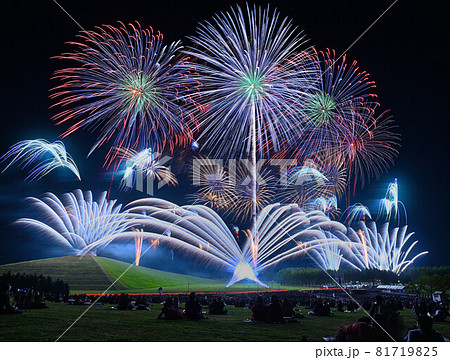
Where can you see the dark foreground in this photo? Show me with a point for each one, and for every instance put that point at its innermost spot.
(102, 323)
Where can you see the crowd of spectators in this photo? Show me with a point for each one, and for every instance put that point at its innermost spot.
(384, 322)
(23, 299)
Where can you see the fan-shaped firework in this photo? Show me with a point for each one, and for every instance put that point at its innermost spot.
(215, 189)
(144, 163)
(127, 83)
(199, 231)
(340, 104)
(76, 220)
(372, 150)
(46, 155)
(328, 256)
(384, 250)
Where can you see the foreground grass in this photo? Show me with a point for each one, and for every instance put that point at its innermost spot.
(101, 323)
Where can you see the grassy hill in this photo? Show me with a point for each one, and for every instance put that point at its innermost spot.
(81, 272)
(94, 274)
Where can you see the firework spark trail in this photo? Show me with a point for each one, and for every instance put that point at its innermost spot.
(355, 213)
(243, 207)
(355, 41)
(302, 184)
(341, 104)
(372, 150)
(46, 155)
(324, 107)
(243, 67)
(389, 206)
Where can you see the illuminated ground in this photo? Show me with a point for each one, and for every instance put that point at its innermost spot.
(94, 274)
(101, 324)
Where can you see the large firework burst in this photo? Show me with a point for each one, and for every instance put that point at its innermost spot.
(340, 103)
(125, 83)
(247, 80)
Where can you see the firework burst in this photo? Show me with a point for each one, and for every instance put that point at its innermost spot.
(303, 185)
(265, 191)
(199, 231)
(250, 86)
(215, 188)
(340, 104)
(247, 80)
(383, 250)
(127, 83)
(371, 151)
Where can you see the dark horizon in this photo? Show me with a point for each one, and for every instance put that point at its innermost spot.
(402, 53)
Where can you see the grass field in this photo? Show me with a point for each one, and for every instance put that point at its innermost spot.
(94, 274)
(102, 323)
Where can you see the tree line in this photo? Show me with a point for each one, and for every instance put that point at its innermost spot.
(314, 276)
(37, 282)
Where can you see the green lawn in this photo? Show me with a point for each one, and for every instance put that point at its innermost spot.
(101, 323)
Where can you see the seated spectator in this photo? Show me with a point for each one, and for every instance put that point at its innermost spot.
(259, 310)
(351, 306)
(394, 326)
(5, 301)
(359, 331)
(379, 321)
(287, 308)
(168, 312)
(425, 331)
(321, 308)
(124, 302)
(217, 307)
(193, 309)
(340, 306)
(142, 303)
(275, 311)
(176, 302)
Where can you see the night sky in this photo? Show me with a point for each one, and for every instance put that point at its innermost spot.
(403, 52)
